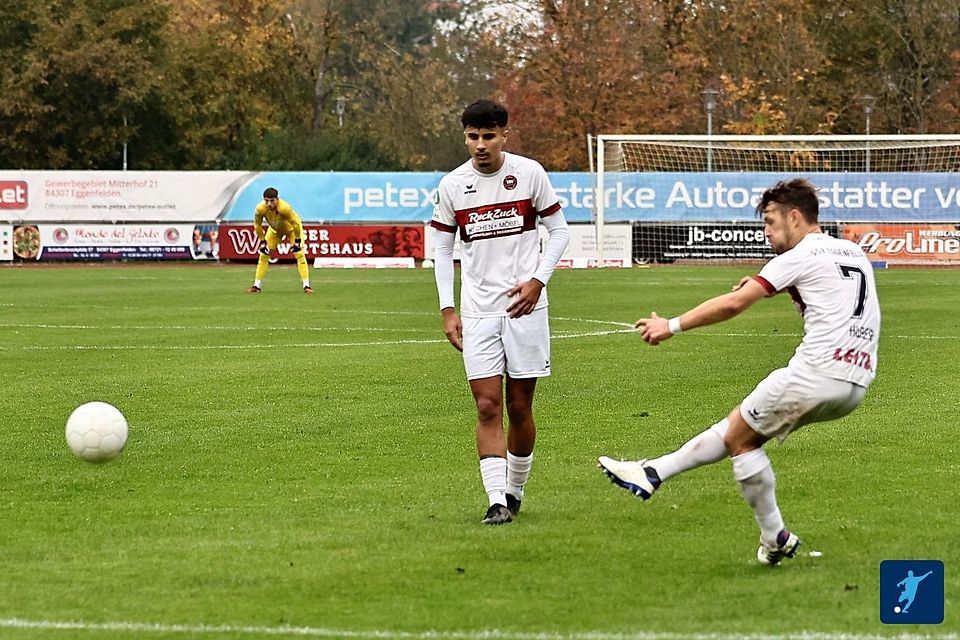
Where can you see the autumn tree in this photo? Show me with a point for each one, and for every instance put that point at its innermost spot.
(71, 73)
(906, 54)
(597, 67)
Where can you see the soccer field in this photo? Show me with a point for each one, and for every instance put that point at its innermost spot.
(304, 466)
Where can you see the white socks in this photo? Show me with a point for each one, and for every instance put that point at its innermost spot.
(518, 470)
(258, 284)
(493, 472)
(704, 448)
(753, 473)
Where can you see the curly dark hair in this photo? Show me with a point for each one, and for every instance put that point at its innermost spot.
(796, 194)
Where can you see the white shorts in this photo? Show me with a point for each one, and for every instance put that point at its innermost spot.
(791, 397)
(519, 347)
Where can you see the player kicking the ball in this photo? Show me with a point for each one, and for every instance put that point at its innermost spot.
(495, 201)
(832, 285)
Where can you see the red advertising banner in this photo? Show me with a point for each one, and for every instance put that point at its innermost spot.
(239, 242)
(907, 242)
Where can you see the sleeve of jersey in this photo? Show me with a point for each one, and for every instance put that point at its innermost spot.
(297, 227)
(544, 197)
(292, 219)
(557, 240)
(779, 273)
(444, 218)
(444, 226)
(258, 223)
(443, 266)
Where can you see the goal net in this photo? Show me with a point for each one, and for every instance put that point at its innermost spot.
(693, 198)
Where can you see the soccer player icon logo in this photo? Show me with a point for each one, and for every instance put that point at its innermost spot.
(909, 584)
(911, 591)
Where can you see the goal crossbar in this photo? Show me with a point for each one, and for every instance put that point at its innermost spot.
(637, 164)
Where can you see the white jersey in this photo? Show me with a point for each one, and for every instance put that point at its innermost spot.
(831, 282)
(496, 215)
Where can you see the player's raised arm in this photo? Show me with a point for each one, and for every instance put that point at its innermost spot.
(655, 329)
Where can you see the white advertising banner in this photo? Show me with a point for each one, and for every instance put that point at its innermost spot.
(581, 253)
(118, 196)
(109, 242)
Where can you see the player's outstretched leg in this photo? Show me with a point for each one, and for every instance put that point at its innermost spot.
(632, 475)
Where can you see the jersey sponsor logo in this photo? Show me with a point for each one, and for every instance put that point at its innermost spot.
(853, 356)
(496, 220)
(13, 194)
(510, 182)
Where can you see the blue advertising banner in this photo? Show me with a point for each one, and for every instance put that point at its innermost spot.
(381, 197)
(344, 196)
(664, 197)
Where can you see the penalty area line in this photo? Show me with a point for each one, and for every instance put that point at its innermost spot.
(385, 634)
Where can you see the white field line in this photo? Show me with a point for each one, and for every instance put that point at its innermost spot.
(482, 634)
(299, 345)
(86, 305)
(621, 327)
(171, 327)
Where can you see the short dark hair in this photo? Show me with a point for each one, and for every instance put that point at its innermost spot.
(270, 192)
(796, 194)
(484, 114)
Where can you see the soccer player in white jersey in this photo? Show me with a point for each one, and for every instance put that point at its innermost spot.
(832, 285)
(494, 201)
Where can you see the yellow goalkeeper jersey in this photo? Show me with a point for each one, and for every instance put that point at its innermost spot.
(284, 220)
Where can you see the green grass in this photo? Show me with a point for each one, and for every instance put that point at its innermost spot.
(308, 461)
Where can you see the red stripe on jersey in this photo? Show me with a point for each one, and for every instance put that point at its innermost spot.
(496, 220)
(442, 227)
(766, 285)
(550, 210)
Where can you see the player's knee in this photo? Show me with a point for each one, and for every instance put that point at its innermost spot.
(489, 410)
(519, 411)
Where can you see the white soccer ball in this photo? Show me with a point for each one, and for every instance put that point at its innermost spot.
(96, 431)
(427, 264)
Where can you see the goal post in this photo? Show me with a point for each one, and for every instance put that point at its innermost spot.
(693, 198)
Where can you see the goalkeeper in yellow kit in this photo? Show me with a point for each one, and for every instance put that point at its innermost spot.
(283, 222)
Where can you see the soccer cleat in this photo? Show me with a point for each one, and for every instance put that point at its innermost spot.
(631, 475)
(513, 504)
(787, 544)
(253, 289)
(308, 289)
(497, 514)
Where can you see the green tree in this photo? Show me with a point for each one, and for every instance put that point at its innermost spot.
(596, 67)
(902, 52)
(767, 60)
(72, 72)
(231, 76)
